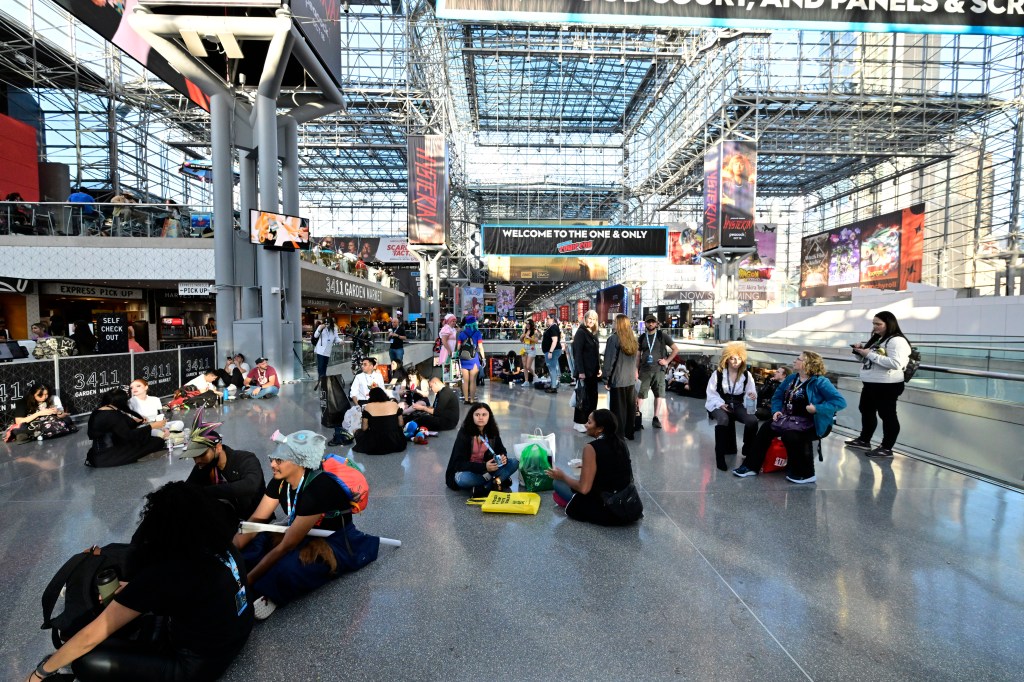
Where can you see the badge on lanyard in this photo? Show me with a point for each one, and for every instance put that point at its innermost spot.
(241, 601)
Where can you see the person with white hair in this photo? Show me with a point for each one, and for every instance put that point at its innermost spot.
(586, 350)
(309, 497)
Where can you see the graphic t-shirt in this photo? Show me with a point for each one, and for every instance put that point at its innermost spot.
(319, 494)
(255, 376)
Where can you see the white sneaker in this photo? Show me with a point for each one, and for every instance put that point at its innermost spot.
(263, 607)
(582, 428)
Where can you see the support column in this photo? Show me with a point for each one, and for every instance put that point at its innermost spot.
(223, 220)
(269, 261)
(245, 256)
(292, 265)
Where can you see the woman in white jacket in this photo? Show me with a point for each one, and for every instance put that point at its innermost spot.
(731, 391)
(325, 336)
(885, 356)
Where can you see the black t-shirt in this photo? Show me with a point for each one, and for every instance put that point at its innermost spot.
(319, 494)
(552, 332)
(656, 346)
(197, 594)
(397, 343)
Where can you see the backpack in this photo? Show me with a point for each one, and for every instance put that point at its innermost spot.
(467, 349)
(437, 345)
(81, 593)
(913, 363)
(348, 475)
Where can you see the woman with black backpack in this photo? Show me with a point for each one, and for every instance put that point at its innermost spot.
(469, 345)
(885, 356)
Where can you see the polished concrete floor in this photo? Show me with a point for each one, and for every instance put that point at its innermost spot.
(883, 570)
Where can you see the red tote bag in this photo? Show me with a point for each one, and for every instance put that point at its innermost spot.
(776, 459)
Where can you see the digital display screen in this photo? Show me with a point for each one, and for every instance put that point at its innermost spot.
(278, 231)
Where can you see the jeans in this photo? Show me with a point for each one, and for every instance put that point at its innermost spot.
(397, 355)
(553, 370)
(468, 479)
(321, 365)
(264, 392)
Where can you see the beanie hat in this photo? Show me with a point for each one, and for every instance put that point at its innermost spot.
(305, 448)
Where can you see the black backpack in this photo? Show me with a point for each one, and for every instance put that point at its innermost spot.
(913, 363)
(81, 594)
(467, 349)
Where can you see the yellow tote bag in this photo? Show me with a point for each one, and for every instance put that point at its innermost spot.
(512, 503)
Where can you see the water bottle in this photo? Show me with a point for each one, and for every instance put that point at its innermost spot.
(749, 404)
(107, 582)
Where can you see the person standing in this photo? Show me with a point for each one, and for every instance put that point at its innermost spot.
(884, 357)
(398, 336)
(620, 373)
(529, 339)
(653, 359)
(551, 343)
(730, 389)
(470, 345)
(586, 350)
(325, 337)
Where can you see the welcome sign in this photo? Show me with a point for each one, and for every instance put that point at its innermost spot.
(568, 242)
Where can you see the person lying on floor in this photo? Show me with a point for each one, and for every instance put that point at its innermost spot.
(285, 567)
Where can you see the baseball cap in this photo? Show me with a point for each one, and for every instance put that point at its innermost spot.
(651, 318)
(259, 360)
(201, 437)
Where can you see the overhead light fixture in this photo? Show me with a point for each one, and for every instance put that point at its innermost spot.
(231, 48)
(193, 43)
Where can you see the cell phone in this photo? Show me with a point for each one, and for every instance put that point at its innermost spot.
(853, 345)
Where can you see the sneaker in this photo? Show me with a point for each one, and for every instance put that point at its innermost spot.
(879, 452)
(656, 423)
(743, 471)
(334, 442)
(859, 444)
(582, 428)
(796, 479)
(479, 491)
(263, 607)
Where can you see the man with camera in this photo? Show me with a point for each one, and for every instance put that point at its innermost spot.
(652, 359)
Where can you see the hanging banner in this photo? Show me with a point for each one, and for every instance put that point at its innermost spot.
(563, 313)
(761, 264)
(909, 16)
(505, 300)
(428, 189)
(472, 301)
(729, 192)
(320, 22)
(610, 302)
(582, 306)
(517, 269)
(685, 243)
(880, 253)
(712, 220)
(560, 242)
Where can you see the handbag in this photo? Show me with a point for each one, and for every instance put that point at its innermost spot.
(51, 426)
(776, 458)
(792, 422)
(625, 505)
(578, 398)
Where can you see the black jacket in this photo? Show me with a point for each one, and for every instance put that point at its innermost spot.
(586, 352)
(245, 483)
(459, 461)
(446, 411)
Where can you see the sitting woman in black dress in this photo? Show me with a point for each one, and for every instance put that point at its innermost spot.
(39, 415)
(119, 434)
(606, 469)
(381, 432)
(183, 568)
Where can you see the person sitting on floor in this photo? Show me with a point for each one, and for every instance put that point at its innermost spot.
(606, 469)
(479, 461)
(116, 436)
(234, 372)
(149, 407)
(298, 564)
(369, 378)
(381, 430)
(205, 382)
(231, 476)
(39, 415)
(443, 414)
(184, 570)
(512, 371)
(262, 381)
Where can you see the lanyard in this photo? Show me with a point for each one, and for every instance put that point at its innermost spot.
(241, 603)
(650, 343)
(292, 503)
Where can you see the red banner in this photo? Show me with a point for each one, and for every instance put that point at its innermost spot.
(563, 313)
(428, 189)
(582, 306)
(636, 296)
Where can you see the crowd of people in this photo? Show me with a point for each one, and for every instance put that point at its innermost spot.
(247, 576)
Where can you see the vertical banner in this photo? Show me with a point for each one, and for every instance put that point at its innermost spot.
(505, 300)
(428, 189)
(610, 302)
(472, 302)
(712, 222)
(582, 306)
(563, 313)
(738, 182)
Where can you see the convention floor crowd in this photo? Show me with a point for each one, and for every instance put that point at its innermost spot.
(889, 569)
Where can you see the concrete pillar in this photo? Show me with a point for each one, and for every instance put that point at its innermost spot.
(223, 220)
(269, 261)
(245, 255)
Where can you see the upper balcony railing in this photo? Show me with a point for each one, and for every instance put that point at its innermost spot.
(68, 219)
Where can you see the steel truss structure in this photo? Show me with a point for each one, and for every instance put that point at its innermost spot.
(551, 122)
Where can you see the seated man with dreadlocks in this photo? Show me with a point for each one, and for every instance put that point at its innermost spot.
(309, 497)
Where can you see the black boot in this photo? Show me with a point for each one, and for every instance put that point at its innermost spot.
(721, 445)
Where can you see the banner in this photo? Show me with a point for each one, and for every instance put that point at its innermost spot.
(610, 302)
(909, 16)
(761, 264)
(880, 253)
(195, 361)
(83, 380)
(370, 250)
(428, 189)
(560, 242)
(320, 22)
(730, 181)
(712, 220)
(506, 269)
(582, 306)
(687, 295)
(563, 313)
(160, 370)
(110, 20)
(685, 243)
(472, 302)
(505, 300)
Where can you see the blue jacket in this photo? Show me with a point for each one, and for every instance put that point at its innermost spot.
(821, 393)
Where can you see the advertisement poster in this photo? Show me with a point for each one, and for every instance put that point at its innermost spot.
(472, 301)
(505, 300)
(711, 224)
(761, 264)
(644, 241)
(428, 189)
(563, 313)
(611, 302)
(882, 253)
(509, 269)
(582, 306)
(838, 15)
(685, 243)
(320, 22)
(739, 185)
(370, 250)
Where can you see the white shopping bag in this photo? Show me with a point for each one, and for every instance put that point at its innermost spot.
(353, 419)
(548, 442)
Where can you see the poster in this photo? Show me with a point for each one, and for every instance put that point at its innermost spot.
(739, 189)
(610, 302)
(505, 300)
(549, 241)
(563, 313)
(582, 306)
(711, 223)
(760, 265)
(518, 268)
(428, 189)
(371, 250)
(884, 252)
(472, 302)
(685, 243)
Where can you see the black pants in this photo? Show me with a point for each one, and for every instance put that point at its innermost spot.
(127, 661)
(583, 411)
(622, 402)
(880, 400)
(798, 450)
(235, 378)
